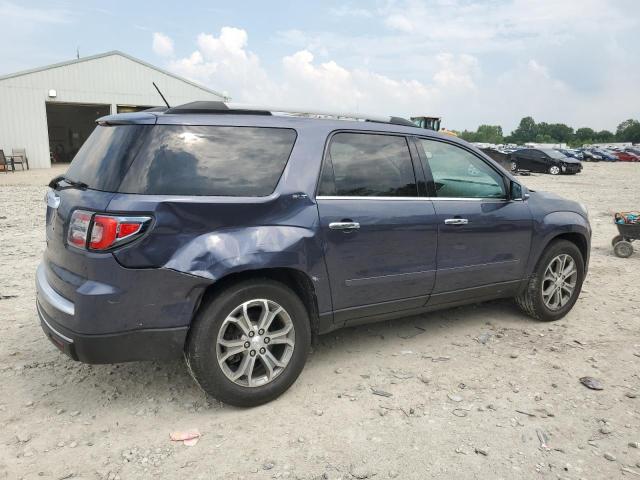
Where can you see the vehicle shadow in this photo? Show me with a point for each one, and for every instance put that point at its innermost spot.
(143, 388)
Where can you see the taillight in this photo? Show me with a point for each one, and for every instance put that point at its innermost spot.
(79, 228)
(93, 231)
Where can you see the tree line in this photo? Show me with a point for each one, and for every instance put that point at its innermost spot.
(530, 131)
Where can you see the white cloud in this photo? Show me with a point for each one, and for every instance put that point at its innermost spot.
(162, 45)
(226, 63)
(398, 21)
(473, 63)
(350, 11)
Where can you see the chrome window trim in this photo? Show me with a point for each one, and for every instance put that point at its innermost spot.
(50, 295)
(396, 199)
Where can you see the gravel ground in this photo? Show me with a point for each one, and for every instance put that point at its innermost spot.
(474, 392)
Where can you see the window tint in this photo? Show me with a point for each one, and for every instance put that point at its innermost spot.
(104, 158)
(458, 173)
(368, 165)
(206, 160)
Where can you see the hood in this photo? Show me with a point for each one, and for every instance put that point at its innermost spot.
(548, 202)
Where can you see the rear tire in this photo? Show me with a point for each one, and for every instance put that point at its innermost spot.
(623, 249)
(271, 367)
(532, 301)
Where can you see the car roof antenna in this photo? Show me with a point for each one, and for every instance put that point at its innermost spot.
(164, 99)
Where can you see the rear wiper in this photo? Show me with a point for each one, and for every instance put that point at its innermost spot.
(70, 183)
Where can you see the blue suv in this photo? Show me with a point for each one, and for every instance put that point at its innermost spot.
(233, 236)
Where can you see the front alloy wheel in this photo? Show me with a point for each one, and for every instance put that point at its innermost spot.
(514, 166)
(554, 170)
(555, 285)
(559, 282)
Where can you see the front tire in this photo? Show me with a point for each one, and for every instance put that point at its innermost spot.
(554, 170)
(514, 166)
(249, 343)
(555, 285)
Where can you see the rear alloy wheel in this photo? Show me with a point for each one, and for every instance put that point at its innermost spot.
(554, 170)
(555, 285)
(623, 249)
(249, 343)
(255, 343)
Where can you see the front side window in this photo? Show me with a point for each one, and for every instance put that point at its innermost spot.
(458, 173)
(368, 165)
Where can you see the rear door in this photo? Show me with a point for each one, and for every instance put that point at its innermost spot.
(380, 235)
(483, 238)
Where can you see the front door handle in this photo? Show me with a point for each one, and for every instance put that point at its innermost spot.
(456, 221)
(348, 226)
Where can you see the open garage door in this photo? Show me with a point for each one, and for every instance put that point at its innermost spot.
(132, 108)
(69, 125)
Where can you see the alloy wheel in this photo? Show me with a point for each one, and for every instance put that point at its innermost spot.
(559, 281)
(554, 170)
(255, 343)
(514, 166)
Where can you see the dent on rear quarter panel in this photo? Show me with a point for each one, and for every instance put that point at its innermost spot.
(218, 253)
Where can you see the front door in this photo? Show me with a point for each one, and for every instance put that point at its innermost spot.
(380, 236)
(483, 238)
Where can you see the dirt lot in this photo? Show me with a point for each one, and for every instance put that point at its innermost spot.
(475, 390)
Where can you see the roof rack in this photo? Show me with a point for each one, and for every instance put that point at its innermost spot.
(241, 109)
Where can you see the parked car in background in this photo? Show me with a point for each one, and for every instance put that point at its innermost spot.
(605, 155)
(230, 237)
(544, 160)
(633, 150)
(626, 156)
(503, 158)
(569, 152)
(589, 156)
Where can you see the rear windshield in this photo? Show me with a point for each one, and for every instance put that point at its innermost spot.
(186, 160)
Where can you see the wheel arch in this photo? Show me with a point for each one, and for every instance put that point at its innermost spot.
(298, 281)
(579, 239)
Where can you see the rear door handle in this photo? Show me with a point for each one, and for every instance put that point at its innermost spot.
(456, 221)
(344, 226)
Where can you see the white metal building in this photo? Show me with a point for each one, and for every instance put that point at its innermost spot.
(50, 111)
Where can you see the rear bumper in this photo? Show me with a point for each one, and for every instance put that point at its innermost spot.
(136, 345)
(114, 328)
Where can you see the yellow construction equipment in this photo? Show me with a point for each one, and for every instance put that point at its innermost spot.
(432, 123)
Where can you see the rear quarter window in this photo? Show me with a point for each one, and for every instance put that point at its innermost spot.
(210, 160)
(103, 160)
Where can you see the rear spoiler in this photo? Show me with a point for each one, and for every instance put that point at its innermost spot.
(144, 118)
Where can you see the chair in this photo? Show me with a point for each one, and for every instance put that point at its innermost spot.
(5, 162)
(20, 156)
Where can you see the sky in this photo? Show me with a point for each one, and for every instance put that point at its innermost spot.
(470, 61)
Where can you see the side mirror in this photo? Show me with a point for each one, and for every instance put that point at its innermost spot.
(517, 191)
